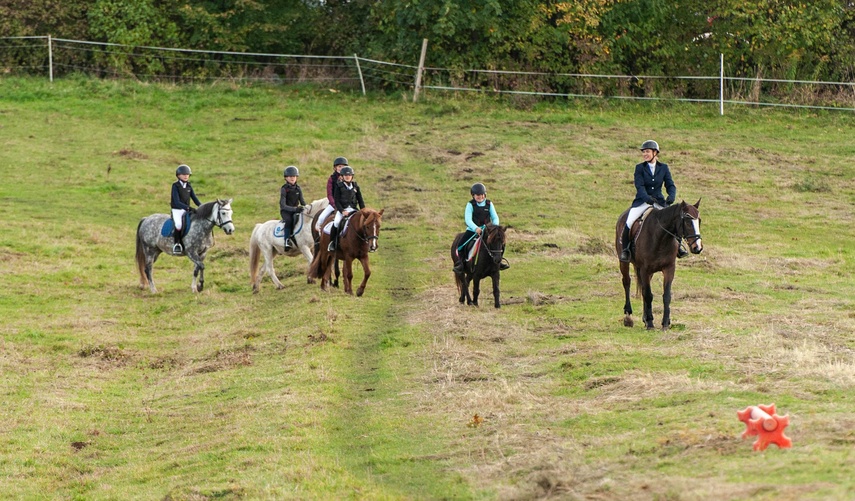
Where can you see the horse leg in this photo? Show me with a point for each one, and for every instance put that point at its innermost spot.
(198, 271)
(495, 277)
(476, 290)
(307, 253)
(367, 271)
(647, 294)
(337, 271)
(268, 268)
(462, 289)
(347, 274)
(149, 262)
(668, 277)
(627, 307)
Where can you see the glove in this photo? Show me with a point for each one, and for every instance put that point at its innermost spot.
(191, 210)
(299, 209)
(651, 200)
(669, 201)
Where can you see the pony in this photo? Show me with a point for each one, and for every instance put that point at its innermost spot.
(197, 240)
(263, 243)
(361, 237)
(493, 241)
(657, 240)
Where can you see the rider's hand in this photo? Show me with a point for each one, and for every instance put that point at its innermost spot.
(651, 200)
(299, 209)
(669, 201)
(478, 230)
(191, 210)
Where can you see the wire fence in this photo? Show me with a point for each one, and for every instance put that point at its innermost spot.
(57, 57)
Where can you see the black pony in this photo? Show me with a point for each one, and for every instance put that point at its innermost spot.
(486, 264)
(655, 249)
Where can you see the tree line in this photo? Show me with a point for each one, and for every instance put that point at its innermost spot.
(776, 39)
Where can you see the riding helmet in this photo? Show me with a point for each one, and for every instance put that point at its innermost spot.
(183, 169)
(339, 161)
(292, 171)
(478, 189)
(650, 145)
(346, 171)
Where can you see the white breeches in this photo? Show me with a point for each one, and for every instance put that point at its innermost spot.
(636, 212)
(323, 217)
(178, 218)
(339, 215)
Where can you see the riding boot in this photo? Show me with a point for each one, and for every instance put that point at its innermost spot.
(681, 251)
(626, 241)
(458, 267)
(504, 265)
(287, 241)
(177, 248)
(333, 236)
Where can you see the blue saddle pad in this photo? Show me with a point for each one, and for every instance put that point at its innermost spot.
(168, 226)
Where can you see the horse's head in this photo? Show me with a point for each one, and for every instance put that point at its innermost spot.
(690, 226)
(494, 238)
(371, 220)
(316, 207)
(223, 217)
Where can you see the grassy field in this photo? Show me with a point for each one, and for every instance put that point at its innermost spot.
(110, 392)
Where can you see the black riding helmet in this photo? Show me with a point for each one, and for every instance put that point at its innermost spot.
(650, 145)
(478, 189)
(339, 161)
(292, 171)
(182, 169)
(346, 171)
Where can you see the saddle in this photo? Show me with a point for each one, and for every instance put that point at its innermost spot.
(169, 226)
(636, 226)
(345, 223)
(470, 249)
(279, 229)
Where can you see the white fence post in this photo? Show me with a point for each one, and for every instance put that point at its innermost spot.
(50, 57)
(420, 70)
(721, 88)
(361, 81)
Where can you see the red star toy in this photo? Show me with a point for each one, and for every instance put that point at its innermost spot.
(762, 421)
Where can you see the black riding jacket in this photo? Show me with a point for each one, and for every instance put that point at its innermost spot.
(347, 197)
(290, 198)
(181, 196)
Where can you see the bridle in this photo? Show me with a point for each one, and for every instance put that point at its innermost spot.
(218, 219)
(367, 238)
(496, 254)
(678, 233)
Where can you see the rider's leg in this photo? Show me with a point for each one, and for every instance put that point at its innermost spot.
(323, 217)
(334, 232)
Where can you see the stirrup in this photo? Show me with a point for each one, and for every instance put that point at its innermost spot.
(177, 249)
(287, 244)
(504, 264)
(625, 256)
(331, 247)
(681, 252)
(458, 268)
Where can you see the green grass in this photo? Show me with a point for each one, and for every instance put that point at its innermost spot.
(110, 392)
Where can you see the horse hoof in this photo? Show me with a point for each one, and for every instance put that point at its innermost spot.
(627, 321)
(359, 292)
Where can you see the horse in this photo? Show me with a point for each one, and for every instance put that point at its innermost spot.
(493, 241)
(359, 238)
(657, 240)
(197, 240)
(262, 242)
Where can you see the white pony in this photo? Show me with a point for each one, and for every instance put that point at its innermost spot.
(264, 242)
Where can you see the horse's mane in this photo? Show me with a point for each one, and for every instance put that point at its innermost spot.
(205, 210)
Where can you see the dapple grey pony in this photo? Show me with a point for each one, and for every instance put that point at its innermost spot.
(197, 241)
(262, 242)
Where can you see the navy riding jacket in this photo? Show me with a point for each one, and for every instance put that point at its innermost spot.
(649, 186)
(181, 196)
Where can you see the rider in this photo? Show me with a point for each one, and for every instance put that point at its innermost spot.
(347, 196)
(479, 211)
(290, 202)
(338, 163)
(182, 193)
(650, 175)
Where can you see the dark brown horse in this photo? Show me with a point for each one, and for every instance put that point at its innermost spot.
(657, 240)
(486, 264)
(360, 238)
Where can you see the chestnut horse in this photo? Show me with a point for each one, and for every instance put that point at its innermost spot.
(657, 240)
(359, 238)
(486, 264)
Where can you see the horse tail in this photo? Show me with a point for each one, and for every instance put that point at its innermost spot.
(254, 253)
(140, 255)
(317, 268)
